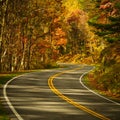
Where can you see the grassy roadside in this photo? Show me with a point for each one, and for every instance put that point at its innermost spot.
(92, 83)
(4, 77)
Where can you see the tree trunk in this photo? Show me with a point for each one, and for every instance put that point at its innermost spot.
(4, 8)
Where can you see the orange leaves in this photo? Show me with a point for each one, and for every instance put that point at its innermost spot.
(56, 20)
(62, 41)
(59, 37)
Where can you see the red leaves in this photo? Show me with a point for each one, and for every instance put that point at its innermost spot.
(107, 5)
(107, 9)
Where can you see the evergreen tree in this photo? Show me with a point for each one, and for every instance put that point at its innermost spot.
(108, 22)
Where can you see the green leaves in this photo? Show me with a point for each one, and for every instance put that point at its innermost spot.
(107, 22)
(117, 5)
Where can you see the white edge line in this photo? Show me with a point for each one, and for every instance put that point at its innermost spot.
(20, 118)
(80, 79)
(8, 101)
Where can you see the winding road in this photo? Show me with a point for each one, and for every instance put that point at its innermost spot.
(57, 94)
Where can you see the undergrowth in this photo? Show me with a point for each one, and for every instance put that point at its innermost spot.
(107, 81)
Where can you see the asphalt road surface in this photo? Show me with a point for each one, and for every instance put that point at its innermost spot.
(56, 94)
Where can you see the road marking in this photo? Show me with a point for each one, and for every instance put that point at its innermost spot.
(8, 101)
(81, 107)
(80, 79)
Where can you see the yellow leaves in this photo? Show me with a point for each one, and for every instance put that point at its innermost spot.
(71, 5)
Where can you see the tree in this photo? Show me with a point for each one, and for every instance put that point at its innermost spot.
(3, 9)
(108, 22)
(76, 26)
(25, 26)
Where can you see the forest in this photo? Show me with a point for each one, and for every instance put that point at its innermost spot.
(37, 34)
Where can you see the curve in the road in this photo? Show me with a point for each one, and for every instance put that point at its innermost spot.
(57, 92)
(8, 101)
(80, 79)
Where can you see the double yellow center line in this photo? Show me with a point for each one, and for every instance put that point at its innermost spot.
(79, 106)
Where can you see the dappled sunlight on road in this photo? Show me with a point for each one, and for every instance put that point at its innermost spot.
(32, 98)
(83, 96)
(38, 101)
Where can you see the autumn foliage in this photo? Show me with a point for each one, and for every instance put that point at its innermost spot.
(107, 26)
(38, 33)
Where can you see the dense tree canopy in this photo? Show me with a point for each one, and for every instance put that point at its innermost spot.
(28, 33)
(37, 34)
(40, 29)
